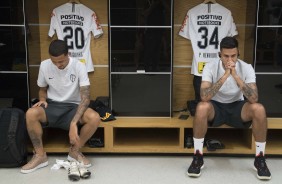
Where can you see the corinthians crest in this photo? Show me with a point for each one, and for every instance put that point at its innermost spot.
(72, 77)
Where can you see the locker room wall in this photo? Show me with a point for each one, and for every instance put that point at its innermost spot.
(243, 12)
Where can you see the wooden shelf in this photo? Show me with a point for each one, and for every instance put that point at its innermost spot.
(127, 137)
(164, 135)
(274, 143)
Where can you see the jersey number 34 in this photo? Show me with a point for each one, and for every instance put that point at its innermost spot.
(205, 40)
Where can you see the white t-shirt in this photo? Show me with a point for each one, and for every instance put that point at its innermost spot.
(229, 91)
(63, 85)
(74, 24)
(206, 25)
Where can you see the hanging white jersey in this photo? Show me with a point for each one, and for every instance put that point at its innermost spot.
(74, 24)
(206, 25)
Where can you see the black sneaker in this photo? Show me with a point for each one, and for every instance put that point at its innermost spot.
(260, 166)
(196, 165)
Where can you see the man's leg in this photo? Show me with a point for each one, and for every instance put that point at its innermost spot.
(204, 113)
(256, 113)
(90, 121)
(34, 116)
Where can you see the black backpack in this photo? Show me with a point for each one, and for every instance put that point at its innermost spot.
(13, 136)
(191, 106)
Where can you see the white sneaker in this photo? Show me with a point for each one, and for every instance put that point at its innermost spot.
(84, 173)
(73, 172)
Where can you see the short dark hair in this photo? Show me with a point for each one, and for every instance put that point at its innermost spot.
(228, 43)
(58, 47)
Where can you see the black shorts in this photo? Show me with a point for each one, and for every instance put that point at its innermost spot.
(59, 114)
(229, 114)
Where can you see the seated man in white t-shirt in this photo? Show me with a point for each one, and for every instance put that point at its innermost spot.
(64, 96)
(225, 82)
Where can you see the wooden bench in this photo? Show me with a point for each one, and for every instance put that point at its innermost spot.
(165, 135)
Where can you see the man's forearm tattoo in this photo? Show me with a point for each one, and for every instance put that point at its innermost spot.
(248, 91)
(85, 99)
(211, 91)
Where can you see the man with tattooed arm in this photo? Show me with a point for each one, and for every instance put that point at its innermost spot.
(229, 96)
(64, 96)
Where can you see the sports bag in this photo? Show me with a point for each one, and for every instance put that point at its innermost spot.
(101, 106)
(13, 136)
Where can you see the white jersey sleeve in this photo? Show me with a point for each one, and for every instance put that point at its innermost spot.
(184, 31)
(41, 81)
(206, 25)
(74, 24)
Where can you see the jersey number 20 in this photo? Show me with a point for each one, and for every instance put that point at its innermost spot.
(74, 37)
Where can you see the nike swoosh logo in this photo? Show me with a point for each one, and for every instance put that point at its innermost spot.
(51, 77)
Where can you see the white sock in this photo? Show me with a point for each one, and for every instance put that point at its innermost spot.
(260, 147)
(198, 144)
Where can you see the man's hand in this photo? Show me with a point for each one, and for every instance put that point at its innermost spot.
(40, 103)
(230, 68)
(73, 135)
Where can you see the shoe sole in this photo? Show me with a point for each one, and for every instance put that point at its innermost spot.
(85, 175)
(74, 160)
(24, 171)
(194, 174)
(262, 177)
(74, 177)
